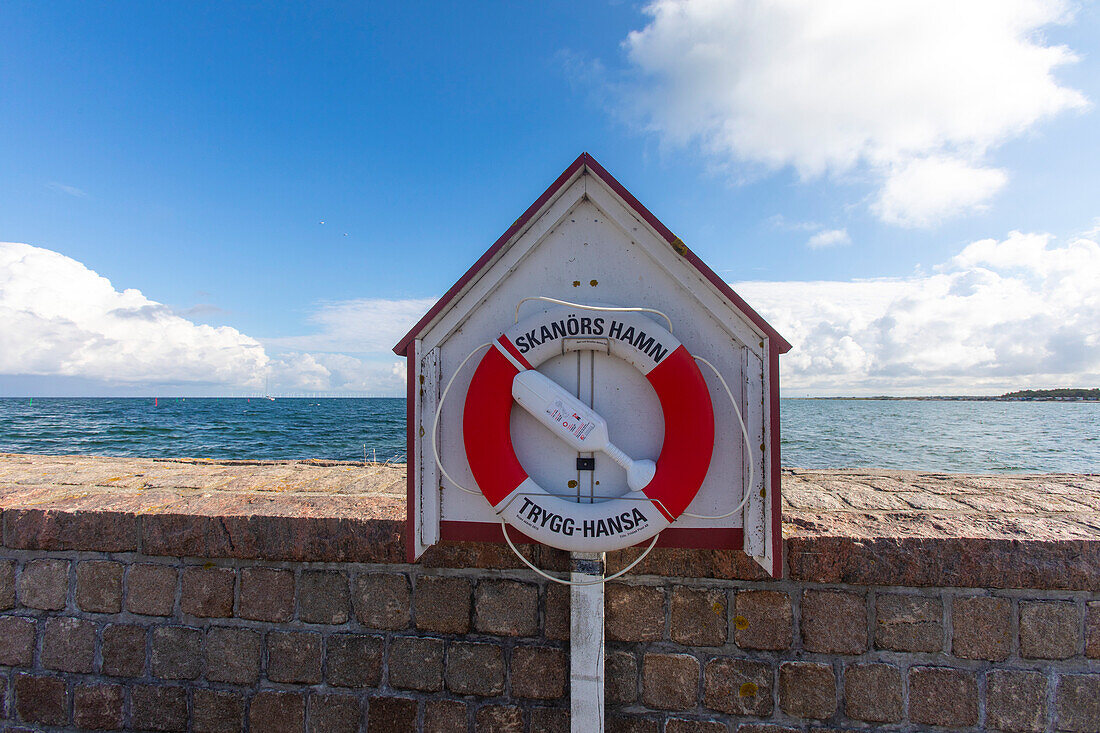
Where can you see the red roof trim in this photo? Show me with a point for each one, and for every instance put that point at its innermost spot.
(585, 160)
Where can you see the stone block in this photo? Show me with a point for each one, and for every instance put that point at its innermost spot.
(684, 725)
(1092, 630)
(442, 604)
(232, 655)
(834, 622)
(323, 597)
(7, 584)
(68, 645)
(540, 673)
(982, 627)
(670, 681)
(444, 716)
(475, 669)
(294, 656)
(872, 693)
(906, 623)
(41, 699)
(88, 527)
(267, 594)
(123, 650)
(334, 714)
(634, 612)
(557, 616)
(158, 708)
(763, 619)
(766, 728)
(1049, 629)
(738, 686)
(175, 653)
(1015, 700)
(632, 724)
(207, 592)
(44, 584)
(17, 641)
(386, 714)
(698, 616)
(499, 719)
(943, 696)
(807, 690)
(381, 600)
(1077, 703)
(354, 660)
(507, 608)
(620, 678)
(99, 586)
(216, 711)
(151, 589)
(549, 720)
(278, 712)
(556, 621)
(416, 664)
(97, 707)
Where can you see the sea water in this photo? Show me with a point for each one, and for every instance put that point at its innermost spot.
(929, 435)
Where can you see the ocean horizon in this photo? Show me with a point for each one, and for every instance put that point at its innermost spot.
(926, 434)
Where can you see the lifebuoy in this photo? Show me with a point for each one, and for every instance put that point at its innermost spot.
(613, 524)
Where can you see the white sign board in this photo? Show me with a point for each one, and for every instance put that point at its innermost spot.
(587, 240)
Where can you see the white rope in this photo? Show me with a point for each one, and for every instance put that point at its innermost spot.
(435, 425)
(528, 563)
(748, 448)
(594, 308)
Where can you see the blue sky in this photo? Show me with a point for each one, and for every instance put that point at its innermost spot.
(190, 152)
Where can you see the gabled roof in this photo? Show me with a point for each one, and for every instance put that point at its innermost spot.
(588, 164)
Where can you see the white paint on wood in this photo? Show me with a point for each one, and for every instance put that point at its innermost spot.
(427, 504)
(586, 650)
(753, 406)
(766, 559)
(587, 246)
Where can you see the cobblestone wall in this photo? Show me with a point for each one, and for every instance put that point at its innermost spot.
(119, 640)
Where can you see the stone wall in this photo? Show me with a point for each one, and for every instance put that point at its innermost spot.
(111, 617)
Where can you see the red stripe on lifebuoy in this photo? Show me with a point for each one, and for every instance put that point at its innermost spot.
(486, 429)
(507, 344)
(689, 433)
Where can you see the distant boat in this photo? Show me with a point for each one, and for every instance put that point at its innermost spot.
(267, 390)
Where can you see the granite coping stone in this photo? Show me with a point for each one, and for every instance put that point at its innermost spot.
(857, 526)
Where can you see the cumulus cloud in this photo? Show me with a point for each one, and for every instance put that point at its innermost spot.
(57, 317)
(923, 192)
(329, 372)
(911, 93)
(1019, 312)
(829, 238)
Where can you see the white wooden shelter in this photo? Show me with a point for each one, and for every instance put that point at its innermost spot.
(587, 239)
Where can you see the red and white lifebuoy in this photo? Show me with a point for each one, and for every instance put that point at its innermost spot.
(612, 524)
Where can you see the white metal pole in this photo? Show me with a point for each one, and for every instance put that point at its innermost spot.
(586, 644)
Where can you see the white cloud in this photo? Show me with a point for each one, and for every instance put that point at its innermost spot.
(922, 192)
(1000, 315)
(66, 189)
(358, 326)
(829, 238)
(327, 372)
(57, 317)
(913, 93)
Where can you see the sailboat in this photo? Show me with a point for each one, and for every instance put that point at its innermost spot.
(267, 389)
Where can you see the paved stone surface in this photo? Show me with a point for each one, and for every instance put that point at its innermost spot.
(919, 528)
